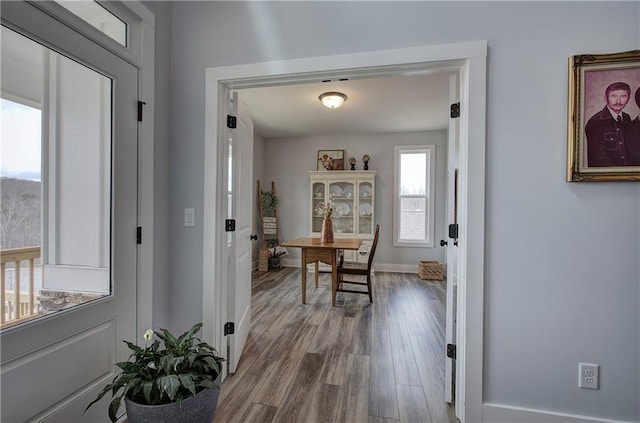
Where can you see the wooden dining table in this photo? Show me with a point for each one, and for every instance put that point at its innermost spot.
(315, 251)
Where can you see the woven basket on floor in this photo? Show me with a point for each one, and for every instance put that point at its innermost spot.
(430, 270)
(263, 260)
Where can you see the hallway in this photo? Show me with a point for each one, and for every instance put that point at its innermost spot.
(356, 362)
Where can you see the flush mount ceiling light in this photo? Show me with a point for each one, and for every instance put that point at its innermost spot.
(333, 99)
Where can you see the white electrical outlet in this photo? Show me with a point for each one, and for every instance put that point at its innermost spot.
(189, 217)
(588, 375)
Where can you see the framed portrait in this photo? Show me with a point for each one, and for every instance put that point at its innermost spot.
(330, 160)
(603, 123)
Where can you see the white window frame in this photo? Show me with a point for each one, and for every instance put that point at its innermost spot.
(429, 196)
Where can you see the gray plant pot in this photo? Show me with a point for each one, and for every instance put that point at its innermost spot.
(198, 409)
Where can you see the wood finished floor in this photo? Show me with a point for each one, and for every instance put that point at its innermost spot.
(356, 362)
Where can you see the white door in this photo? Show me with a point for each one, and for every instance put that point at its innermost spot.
(53, 366)
(240, 173)
(452, 248)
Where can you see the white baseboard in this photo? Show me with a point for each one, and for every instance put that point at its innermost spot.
(393, 268)
(396, 268)
(497, 413)
(290, 262)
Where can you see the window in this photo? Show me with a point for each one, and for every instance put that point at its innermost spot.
(99, 17)
(413, 199)
(55, 177)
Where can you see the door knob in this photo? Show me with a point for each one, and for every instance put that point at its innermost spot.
(443, 242)
(254, 237)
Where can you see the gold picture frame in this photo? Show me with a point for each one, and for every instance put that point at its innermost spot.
(600, 148)
(330, 160)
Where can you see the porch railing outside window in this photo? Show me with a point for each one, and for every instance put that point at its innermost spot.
(21, 273)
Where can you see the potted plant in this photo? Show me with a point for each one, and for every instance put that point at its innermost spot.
(269, 201)
(171, 379)
(274, 259)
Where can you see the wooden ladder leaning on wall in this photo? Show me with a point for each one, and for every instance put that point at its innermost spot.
(269, 228)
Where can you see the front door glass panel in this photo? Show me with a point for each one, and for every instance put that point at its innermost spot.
(56, 181)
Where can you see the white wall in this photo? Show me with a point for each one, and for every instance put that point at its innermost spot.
(287, 161)
(562, 275)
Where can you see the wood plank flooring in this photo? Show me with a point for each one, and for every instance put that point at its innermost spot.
(356, 362)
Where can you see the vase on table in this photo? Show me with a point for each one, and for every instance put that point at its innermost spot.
(327, 230)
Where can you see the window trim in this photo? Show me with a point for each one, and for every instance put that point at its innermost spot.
(429, 197)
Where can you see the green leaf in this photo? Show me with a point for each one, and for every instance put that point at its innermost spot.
(131, 386)
(147, 387)
(134, 391)
(187, 382)
(166, 363)
(104, 391)
(177, 362)
(211, 362)
(190, 333)
(169, 340)
(113, 408)
(170, 385)
(133, 347)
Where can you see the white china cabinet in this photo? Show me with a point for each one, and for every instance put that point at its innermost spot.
(353, 194)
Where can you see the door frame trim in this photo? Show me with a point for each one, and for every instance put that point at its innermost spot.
(470, 59)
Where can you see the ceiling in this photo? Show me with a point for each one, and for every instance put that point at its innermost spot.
(374, 105)
(384, 103)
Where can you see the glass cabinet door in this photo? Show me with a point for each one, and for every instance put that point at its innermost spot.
(343, 196)
(365, 208)
(318, 196)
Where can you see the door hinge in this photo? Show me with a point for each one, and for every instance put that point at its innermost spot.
(139, 235)
(230, 225)
(229, 328)
(451, 351)
(453, 230)
(231, 122)
(140, 104)
(455, 110)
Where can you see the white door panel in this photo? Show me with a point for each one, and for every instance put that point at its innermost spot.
(52, 367)
(451, 249)
(94, 353)
(240, 288)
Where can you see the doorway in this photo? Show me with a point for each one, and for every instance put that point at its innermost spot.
(470, 60)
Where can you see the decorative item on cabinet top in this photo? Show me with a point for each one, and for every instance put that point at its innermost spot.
(330, 160)
(352, 162)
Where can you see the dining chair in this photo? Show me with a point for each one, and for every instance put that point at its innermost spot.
(361, 269)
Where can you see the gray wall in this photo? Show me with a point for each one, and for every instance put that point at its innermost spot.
(162, 163)
(288, 161)
(258, 175)
(562, 260)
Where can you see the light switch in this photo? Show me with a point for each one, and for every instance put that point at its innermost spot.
(189, 217)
